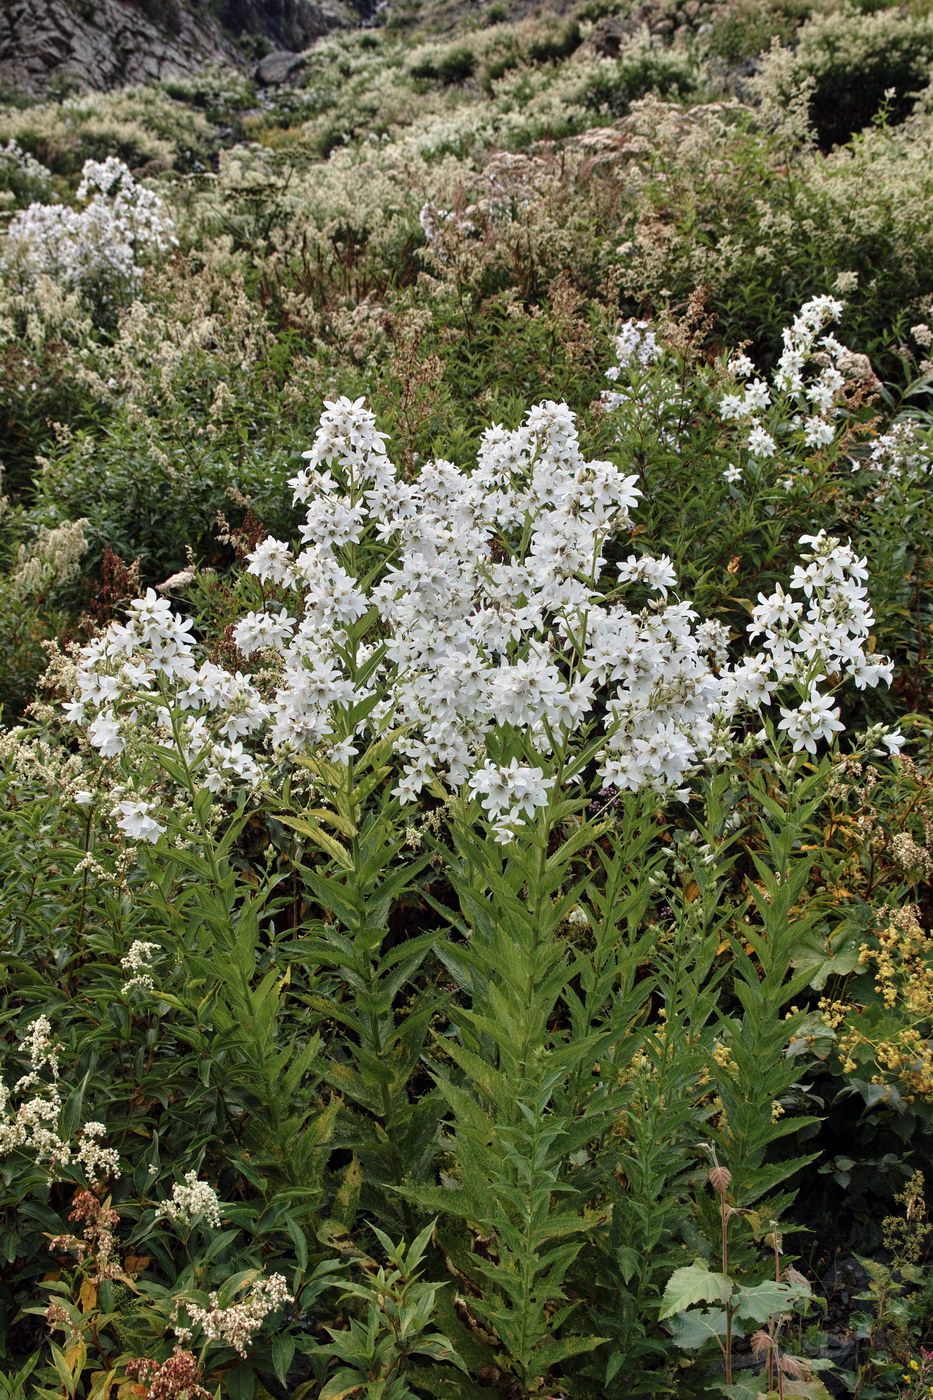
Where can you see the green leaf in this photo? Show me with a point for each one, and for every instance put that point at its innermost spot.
(320, 838)
(694, 1283)
(805, 1390)
(297, 1237)
(345, 827)
(344, 1383)
(283, 1349)
(692, 1330)
(240, 1383)
(556, 1350)
(760, 1303)
(347, 1197)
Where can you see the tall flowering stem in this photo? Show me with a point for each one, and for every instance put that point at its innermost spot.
(456, 613)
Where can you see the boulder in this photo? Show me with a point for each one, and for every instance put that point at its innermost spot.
(608, 37)
(282, 66)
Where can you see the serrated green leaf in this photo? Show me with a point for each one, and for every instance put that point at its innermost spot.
(761, 1302)
(692, 1330)
(695, 1283)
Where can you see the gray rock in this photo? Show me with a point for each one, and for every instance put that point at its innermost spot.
(98, 44)
(291, 25)
(280, 67)
(608, 37)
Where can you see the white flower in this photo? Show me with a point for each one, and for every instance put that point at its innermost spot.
(757, 396)
(236, 1324)
(761, 443)
(192, 1200)
(635, 341)
(104, 734)
(818, 433)
(656, 573)
(272, 561)
(815, 718)
(136, 820)
(122, 225)
(510, 792)
(489, 609)
(258, 630)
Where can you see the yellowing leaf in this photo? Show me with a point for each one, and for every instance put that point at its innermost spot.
(345, 827)
(320, 838)
(102, 1382)
(88, 1296)
(75, 1356)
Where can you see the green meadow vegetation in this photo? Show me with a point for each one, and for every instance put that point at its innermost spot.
(466, 839)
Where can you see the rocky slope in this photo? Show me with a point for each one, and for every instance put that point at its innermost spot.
(60, 45)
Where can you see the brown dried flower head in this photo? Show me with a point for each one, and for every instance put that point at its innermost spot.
(719, 1179)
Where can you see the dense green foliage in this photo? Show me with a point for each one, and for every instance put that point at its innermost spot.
(603, 1111)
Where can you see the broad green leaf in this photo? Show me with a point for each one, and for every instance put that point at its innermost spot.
(240, 1383)
(692, 1330)
(283, 1349)
(760, 1303)
(694, 1283)
(343, 1384)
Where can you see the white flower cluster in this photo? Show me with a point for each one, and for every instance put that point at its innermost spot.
(636, 348)
(98, 1161)
(28, 1125)
(487, 622)
(809, 398)
(193, 1199)
(650, 404)
(634, 342)
(138, 961)
(818, 628)
(136, 819)
(14, 160)
(121, 222)
(432, 220)
(904, 453)
(509, 792)
(237, 1324)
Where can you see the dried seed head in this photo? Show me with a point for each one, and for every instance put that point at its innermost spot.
(719, 1178)
(796, 1367)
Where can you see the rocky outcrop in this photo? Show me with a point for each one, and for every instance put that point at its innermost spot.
(60, 45)
(282, 66)
(290, 25)
(80, 44)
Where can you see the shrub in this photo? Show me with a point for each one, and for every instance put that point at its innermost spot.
(454, 66)
(666, 73)
(855, 60)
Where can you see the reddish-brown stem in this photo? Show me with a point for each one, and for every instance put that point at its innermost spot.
(724, 1219)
